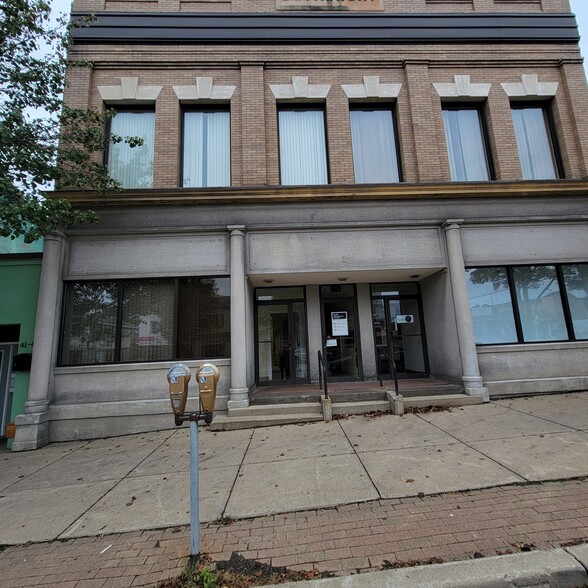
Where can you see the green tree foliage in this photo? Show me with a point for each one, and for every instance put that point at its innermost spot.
(43, 142)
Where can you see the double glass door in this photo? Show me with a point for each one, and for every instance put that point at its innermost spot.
(282, 348)
(398, 330)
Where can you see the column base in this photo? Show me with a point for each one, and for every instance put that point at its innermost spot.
(238, 398)
(32, 431)
(474, 386)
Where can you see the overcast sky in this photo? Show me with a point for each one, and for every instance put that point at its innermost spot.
(579, 7)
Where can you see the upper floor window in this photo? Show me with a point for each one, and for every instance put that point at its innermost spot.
(207, 148)
(303, 147)
(534, 143)
(466, 144)
(132, 166)
(375, 153)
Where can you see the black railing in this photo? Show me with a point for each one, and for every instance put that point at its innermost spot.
(323, 373)
(382, 353)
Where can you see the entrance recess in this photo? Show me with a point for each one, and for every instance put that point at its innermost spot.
(398, 328)
(340, 345)
(282, 347)
(6, 354)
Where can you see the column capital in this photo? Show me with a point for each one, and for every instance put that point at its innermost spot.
(452, 223)
(55, 236)
(236, 230)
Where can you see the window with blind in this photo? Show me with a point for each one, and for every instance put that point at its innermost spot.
(466, 144)
(207, 148)
(534, 143)
(146, 320)
(375, 154)
(303, 148)
(132, 166)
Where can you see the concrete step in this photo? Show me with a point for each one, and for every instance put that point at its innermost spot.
(232, 423)
(360, 407)
(447, 400)
(277, 409)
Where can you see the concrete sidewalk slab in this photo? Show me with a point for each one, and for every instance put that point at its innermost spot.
(478, 423)
(296, 484)
(297, 442)
(567, 409)
(151, 502)
(406, 472)
(42, 514)
(580, 552)
(541, 457)
(374, 434)
(540, 569)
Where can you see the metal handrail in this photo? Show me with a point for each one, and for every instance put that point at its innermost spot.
(323, 374)
(391, 361)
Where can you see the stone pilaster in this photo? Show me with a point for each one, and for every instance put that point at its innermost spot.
(32, 427)
(472, 381)
(239, 391)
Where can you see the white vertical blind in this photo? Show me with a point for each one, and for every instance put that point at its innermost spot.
(533, 143)
(374, 147)
(303, 151)
(132, 166)
(465, 145)
(207, 149)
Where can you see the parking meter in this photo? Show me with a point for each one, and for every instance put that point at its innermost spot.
(207, 376)
(178, 377)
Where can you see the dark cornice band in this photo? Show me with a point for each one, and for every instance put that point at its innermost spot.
(231, 28)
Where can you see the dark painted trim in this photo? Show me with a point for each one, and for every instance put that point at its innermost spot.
(20, 256)
(234, 28)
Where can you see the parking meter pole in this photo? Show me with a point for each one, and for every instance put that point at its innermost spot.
(194, 503)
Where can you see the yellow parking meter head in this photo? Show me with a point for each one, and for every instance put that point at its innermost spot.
(207, 376)
(178, 377)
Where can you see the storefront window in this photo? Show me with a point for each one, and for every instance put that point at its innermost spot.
(576, 283)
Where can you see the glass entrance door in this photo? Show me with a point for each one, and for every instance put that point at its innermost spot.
(282, 356)
(398, 330)
(340, 347)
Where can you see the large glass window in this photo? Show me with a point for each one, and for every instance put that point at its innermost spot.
(491, 305)
(303, 150)
(146, 320)
(531, 303)
(375, 158)
(534, 144)
(465, 144)
(132, 166)
(207, 149)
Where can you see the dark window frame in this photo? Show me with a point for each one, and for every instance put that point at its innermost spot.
(563, 293)
(390, 107)
(208, 107)
(547, 107)
(304, 107)
(120, 282)
(480, 107)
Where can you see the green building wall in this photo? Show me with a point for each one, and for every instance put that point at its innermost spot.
(20, 271)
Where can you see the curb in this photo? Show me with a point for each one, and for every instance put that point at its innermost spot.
(558, 568)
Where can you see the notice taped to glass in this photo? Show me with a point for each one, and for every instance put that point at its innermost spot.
(367, 5)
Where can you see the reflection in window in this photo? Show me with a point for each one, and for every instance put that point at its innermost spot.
(465, 145)
(540, 306)
(96, 330)
(491, 305)
(374, 146)
(132, 166)
(303, 151)
(576, 283)
(207, 149)
(90, 323)
(534, 144)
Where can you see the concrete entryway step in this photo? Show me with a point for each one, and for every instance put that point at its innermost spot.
(232, 423)
(446, 400)
(277, 409)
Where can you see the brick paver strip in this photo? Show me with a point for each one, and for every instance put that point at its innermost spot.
(350, 538)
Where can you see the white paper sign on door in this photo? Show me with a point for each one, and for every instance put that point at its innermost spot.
(339, 324)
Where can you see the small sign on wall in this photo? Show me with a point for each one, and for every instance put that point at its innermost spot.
(339, 324)
(404, 319)
(365, 5)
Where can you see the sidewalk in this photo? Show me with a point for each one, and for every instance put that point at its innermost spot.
(348, 496)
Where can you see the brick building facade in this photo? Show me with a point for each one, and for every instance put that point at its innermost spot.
(371, 179)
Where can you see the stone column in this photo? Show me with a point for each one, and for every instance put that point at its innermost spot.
(366, 331)
(32, 427)
(239, 391)
(472, 381)
(315, 330)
